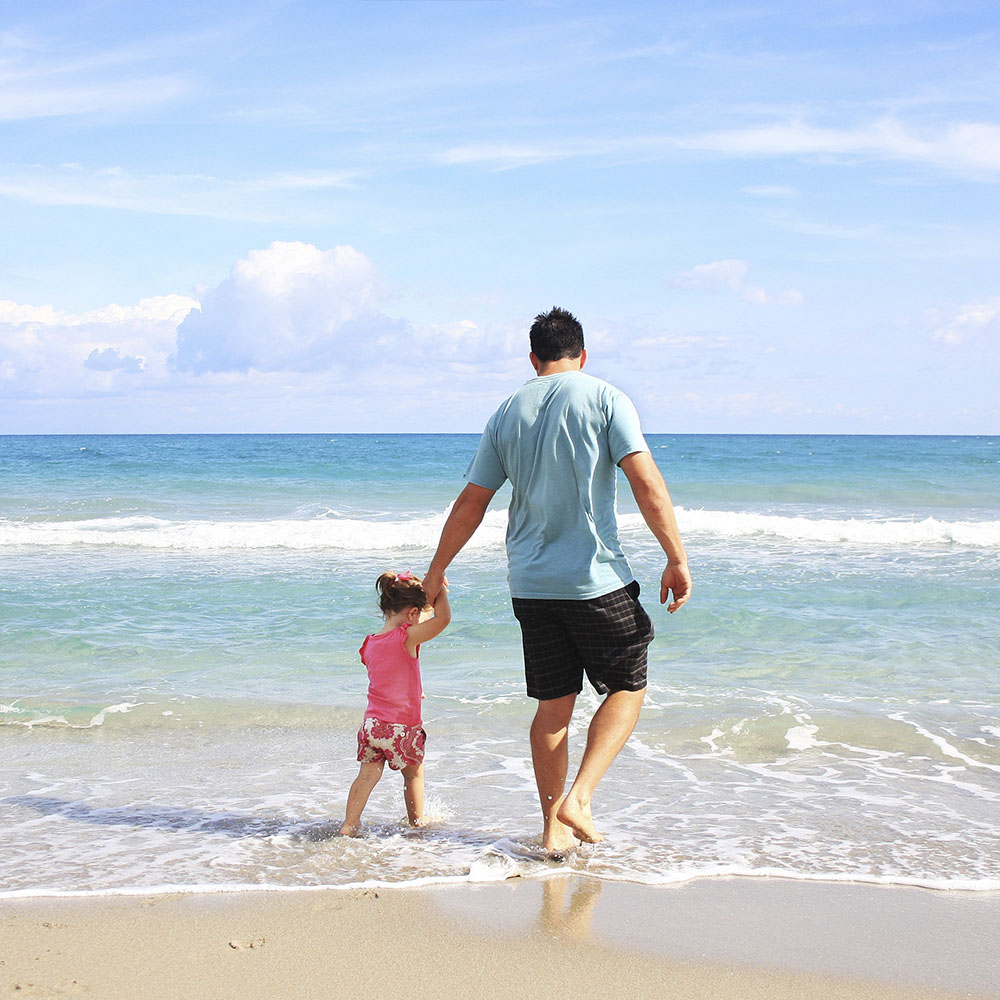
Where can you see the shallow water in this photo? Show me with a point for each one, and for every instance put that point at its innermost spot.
(180, 685)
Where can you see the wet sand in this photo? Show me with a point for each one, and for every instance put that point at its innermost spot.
(719, 939)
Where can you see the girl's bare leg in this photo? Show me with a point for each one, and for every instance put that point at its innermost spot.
(413, 792)
(357, 798)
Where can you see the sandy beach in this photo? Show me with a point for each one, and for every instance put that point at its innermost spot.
(725, 938)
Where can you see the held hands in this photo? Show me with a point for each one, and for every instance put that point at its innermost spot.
(676, 579)
(433, 584)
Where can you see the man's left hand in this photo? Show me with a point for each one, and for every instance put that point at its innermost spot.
(676, 580)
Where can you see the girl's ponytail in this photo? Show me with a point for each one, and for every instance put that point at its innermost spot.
(399, 592)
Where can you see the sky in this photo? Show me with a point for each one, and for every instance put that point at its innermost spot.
(343, 215)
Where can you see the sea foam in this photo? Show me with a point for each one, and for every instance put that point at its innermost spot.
(366, 534)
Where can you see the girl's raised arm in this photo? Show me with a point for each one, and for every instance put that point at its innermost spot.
(427, 630)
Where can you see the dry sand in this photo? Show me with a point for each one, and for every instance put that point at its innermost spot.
(567, 936)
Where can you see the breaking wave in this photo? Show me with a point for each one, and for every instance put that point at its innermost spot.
(360, 534)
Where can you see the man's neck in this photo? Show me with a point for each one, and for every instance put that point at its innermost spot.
(561, 365)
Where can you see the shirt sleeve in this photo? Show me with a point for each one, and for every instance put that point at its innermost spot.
(624, 431)
(486, 468)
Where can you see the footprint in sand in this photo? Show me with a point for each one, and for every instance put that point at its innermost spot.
(248, 945)
(43, 991)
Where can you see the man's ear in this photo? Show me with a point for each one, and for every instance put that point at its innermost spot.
(535, 363)
(583, 357)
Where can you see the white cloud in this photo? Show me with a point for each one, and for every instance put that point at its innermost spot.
(719, 274)
(295, 308)
(291, 321)
(730, 276)
(45, 351)
(971, 322)
(291, 307)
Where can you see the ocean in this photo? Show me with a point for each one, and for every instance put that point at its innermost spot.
(180, 685)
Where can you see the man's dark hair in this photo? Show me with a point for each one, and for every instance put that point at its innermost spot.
(556, 334)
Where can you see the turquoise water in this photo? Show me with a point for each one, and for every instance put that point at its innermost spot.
(180, 685)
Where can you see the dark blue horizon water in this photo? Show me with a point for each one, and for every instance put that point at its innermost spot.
(892, 474)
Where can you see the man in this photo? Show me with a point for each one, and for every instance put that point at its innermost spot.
(558, 440)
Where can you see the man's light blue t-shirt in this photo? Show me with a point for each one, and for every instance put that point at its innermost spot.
(559, 440)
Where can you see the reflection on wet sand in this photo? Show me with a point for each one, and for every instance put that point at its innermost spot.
(571, 919)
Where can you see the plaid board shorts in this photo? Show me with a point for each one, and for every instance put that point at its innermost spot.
(399, 746)
(605, 637)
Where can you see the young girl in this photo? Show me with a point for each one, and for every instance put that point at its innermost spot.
(391, 732)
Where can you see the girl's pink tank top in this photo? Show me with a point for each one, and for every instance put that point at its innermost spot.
(394, 687)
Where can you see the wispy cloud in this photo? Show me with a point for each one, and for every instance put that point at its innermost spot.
(730, 275)
(509, 155)
(971, 322)
(45, 77)
(779, 192)
(167, 194)
(29, 100)
(967, 147)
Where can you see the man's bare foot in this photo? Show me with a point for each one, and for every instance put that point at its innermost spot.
(576, 816)
(557, 838)
(348, 831)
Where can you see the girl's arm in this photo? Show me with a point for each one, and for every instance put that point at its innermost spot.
(425, 631)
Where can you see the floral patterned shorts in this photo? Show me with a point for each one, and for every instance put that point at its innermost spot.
(399, 746)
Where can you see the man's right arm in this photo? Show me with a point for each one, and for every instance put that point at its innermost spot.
(466, 515)
(650, 492)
